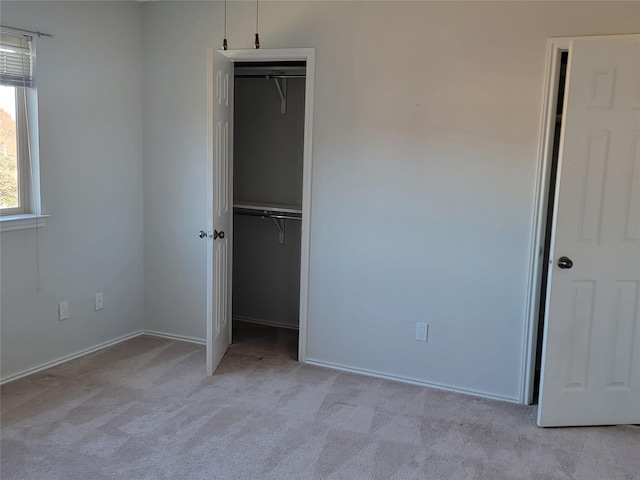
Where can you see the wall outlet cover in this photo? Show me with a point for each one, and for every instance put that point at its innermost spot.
(422, 330)
(63, 310)
(99, 301)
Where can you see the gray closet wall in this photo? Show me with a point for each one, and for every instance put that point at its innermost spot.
(268, 162)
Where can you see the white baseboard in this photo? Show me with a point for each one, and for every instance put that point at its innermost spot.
(101, 346)
(264, 322)
(411, 381)
(170, 336)
(73, 356)
(200, 341)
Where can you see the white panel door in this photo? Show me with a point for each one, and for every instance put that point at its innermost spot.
(591, 356)
(220, 244)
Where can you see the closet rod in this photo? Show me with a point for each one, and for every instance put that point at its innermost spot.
(266, 214)
(268, 77)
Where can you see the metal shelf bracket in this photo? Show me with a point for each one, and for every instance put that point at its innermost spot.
(280, 227)
(282, 90)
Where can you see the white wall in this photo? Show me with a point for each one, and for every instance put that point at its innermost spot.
(90, 113)
(268, 145)
(426, 129)
(174, 105)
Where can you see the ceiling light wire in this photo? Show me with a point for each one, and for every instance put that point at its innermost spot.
(256, 41)
(224, 41)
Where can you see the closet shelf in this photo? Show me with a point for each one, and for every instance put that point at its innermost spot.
(277, 212)
(268, 207)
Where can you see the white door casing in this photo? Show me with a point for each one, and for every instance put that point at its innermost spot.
(220, 206)
(591, 349)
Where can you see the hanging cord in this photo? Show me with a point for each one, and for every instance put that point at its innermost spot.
(224, 41)
(256, 41)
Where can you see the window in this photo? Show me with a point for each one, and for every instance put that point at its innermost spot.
(19, 192)
(14, 157)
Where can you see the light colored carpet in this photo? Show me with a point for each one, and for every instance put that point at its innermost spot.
(145, 409)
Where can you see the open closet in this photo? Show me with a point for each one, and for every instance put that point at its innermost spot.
(260, 130)
(268, 139)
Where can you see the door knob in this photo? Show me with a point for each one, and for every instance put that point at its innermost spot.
(202, 234)
(217, 234)
(565, 262)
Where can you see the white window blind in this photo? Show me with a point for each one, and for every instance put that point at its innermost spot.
(16, 59)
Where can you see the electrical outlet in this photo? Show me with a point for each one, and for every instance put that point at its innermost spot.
(99, 300)
(422, 331)
(63, 310)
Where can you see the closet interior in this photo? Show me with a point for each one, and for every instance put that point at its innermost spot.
(268, 131)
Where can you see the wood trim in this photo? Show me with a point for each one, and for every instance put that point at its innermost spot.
(73, 356)
(102, 346)
(177, 338)
(411, 381)
(555, 47)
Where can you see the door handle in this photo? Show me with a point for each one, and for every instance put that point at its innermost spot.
(202, 234)
(565, 262)
(218, 234)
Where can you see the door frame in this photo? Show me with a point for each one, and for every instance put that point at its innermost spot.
(268, 55)
(555, 48)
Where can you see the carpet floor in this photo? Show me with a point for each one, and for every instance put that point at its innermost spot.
(144, 409)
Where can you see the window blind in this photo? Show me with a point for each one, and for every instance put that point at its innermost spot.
(16, 59)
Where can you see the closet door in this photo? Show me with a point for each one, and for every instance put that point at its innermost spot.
(221, 202)
(591, 367)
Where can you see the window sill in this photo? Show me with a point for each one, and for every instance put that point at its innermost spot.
(22, 222)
